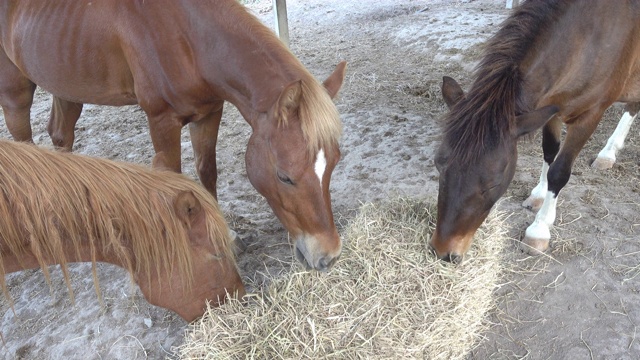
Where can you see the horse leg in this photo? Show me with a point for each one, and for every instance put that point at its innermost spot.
(607, 156)
(538, 234)
(204, 137)
(165, 130)
(16, 98)
(62, 122)
(550, 146)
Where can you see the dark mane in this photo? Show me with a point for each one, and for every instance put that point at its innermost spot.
(485, 117)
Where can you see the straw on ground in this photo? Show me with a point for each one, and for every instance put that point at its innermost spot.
(387, 298)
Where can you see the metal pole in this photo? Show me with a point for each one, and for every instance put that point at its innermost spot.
(282, 25)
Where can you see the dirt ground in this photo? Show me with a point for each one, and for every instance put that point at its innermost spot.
(578, 301)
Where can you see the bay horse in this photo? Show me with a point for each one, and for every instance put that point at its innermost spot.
(180, 60)
(552, 62)
(163, 228)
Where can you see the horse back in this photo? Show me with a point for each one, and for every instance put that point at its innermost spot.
(103, 52)
(588, 55)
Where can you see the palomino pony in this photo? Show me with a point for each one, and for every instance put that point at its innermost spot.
(552, 62)
(165, 229)
(180, 60)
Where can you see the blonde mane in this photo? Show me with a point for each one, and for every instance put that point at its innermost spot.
(51, 200)
(321, 124)
(319, 117)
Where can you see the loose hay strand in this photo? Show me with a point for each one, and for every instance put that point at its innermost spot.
(388, 298)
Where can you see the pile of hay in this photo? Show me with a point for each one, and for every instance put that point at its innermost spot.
(386, 298)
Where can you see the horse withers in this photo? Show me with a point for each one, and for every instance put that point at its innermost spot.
(552, 63)
(180, 60)
(162, 227)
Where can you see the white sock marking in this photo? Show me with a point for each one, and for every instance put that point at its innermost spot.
(616, 141)
(540, 190)
(547, 212)
(545, 217)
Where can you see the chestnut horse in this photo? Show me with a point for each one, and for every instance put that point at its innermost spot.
(552, 63)
(165, 229)
(180, 60)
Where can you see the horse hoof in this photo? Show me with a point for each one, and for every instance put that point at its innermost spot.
(534, 246)
(603, 163)
(533, 203)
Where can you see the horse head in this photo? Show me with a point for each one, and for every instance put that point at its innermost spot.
(290, 157)
(213, 271)
(470, 186)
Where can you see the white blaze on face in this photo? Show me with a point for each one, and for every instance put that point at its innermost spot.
(321, 165)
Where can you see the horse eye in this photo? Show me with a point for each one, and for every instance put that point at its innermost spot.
(284, 179)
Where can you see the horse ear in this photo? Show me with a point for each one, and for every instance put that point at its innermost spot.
(534, 120)
(334, 81)
(451, 91)
(289, 99)
(187, 207)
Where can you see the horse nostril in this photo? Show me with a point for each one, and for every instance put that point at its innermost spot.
(452, 258)
(325, 263)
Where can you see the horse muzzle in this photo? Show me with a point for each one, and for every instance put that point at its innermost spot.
(309, 251)
(452, 250)
(447, 257)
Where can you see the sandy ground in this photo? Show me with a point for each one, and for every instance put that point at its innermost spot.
(576, 302)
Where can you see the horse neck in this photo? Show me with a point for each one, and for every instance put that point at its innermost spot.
(255, 91)
(260, 67)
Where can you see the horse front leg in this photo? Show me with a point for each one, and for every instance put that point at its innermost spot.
(607, 156)
(550, 146)
(538, 234)
(204, 137)
(16, 98)
(62, 122)
(165, 129)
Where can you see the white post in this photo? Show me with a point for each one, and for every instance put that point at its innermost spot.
(512, 3)
(280, 16)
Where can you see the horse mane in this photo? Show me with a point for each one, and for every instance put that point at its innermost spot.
(51, 200)
(321, 124)
(319, 117)
(486, 116)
